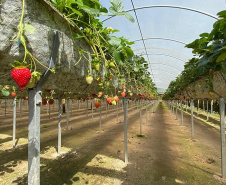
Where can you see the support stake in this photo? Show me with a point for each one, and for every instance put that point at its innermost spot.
(125, 130)
(222, 131)
(14, 122)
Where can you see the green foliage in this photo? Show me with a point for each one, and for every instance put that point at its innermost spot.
(210, 50)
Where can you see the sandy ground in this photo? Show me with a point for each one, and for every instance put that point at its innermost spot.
(90, 155)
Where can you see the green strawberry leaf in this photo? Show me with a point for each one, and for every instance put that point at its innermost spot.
(28, 28)
(5, 92)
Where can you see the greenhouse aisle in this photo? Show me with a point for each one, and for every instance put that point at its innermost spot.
(169, 156)
(166, 155)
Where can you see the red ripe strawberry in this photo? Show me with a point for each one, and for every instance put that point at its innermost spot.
(21, 75)
(123, 87)
(48, 90)
(97, 103)
(93, 95)
(44, 101)
(13, 94)
(139, 87)
(116, 98)
(140, 94)
(26, 98)
(51, 101)
(109, 100)
(211, 71)
(123, 94)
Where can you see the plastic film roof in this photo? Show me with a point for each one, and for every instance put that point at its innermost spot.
(162, 29)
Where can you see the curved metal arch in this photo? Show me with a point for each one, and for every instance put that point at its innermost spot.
(169, 6)
(166, 72)
(162, 49)
(168, 66)
(167, 56)
(161, 38)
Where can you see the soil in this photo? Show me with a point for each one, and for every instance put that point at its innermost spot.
(163, 153)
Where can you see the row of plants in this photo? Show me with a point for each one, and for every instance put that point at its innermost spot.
(113, 67)
(209, 57)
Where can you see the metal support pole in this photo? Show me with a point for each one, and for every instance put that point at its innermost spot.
(100, 118)
(68, 112)
(5, 107)
(211, 107)
(140, 116)
(146, 112)
(35, 101)
(176, 109)
(117, 110)
(207, 110)
(92, 108)
(59, 124)
(173, 106)
(198, 108)
(49, 111)
(181, 109)
(125, 130)
(192, 118)
(87, 111)
(14, 122)
(20, 107)
(34, 98)
(203, 104)
(222, 131)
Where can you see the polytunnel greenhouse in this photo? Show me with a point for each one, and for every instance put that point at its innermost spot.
(112, 92)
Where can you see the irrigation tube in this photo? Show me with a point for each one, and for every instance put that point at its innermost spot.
(146, 113)
(176, 109)
(117, 110)
(125, 130)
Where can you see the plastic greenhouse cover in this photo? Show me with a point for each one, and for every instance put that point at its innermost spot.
(166, 26)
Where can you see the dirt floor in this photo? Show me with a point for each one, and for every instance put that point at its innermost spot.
(90, 155)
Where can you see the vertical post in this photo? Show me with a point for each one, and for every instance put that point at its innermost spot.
(125, 129)
(106, 108)
(211, 108)
(59, 124)
(198, 108)
(5, 107)
(34, 99)
(203, 104)
(68, 112)
(186, 105)
(222, 131)
(14, 122)
(192, 119)
(176, 108)
(117, 110)
(49, 110)
(181, 109)
(92, 102)
(173, 106)
(87, 111)
(20, 107)
(207, 110)
(146, 113)
(100, 116)
(140, 116)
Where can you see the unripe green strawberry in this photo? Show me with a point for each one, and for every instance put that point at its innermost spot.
(113, 102)
(112, 65)
(21, 75)
(89, 79)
